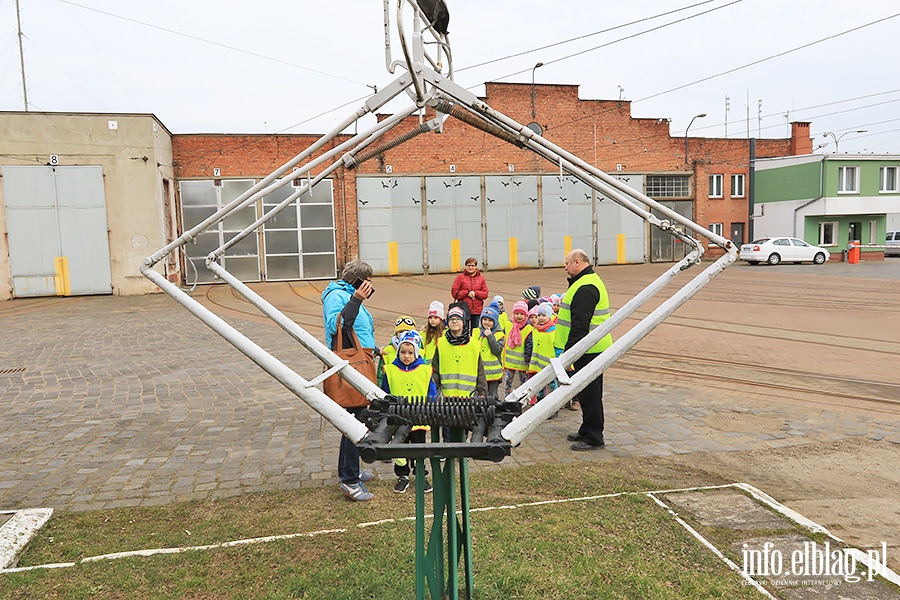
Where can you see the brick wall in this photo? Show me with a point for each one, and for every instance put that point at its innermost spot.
(601, 132)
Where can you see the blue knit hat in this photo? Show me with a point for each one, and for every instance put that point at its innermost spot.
(492, 311)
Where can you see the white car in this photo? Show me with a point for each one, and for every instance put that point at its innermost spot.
(782, 249)
(892, 243)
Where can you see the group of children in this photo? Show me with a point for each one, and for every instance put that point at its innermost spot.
(447, 358)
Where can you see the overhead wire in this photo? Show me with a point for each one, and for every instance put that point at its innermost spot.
(213, 42)
(103, 58)
(773, 56)
(582, 37)
(66, 73)
(628, 37)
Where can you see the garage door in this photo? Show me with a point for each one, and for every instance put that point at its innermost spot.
(56, 223)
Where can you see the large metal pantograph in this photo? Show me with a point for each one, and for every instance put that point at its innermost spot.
(425, 75)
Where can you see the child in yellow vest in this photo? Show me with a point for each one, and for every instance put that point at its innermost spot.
(543, 349)
(490, 338)
(518, 347)
(505, 323)
(408, 376)
(389, 352)
(457, 364)
(433, 331)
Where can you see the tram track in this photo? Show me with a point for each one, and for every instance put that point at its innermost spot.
(881, 396)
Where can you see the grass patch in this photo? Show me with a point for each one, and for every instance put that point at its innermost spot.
(622, 547)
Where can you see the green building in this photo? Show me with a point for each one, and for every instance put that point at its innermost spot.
(827, 200)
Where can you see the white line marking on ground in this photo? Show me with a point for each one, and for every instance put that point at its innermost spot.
(715, 550)
(756, 493)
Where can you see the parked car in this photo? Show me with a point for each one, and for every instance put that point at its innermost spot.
(892, 243)
(782, 249)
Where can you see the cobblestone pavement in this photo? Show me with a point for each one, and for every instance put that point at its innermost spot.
(131, 401)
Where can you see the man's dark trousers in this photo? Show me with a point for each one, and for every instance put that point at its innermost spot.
(591, 400)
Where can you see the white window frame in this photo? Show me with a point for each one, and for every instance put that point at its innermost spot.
(735, 179)
(716, 228)
(834, 233)
(883, 176)
(715, 185)
(844, 178)
(873, 232)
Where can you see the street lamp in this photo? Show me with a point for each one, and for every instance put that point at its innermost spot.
(837, 138)
(533, 69)
(700, 116)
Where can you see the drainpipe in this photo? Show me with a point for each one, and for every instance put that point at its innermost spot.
(819, 197)
(751, 195)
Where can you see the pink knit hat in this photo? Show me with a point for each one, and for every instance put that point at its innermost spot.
(520, 306)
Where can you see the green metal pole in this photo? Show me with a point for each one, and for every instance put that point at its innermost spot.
(452, 532)
(466, 540)
(421, 552)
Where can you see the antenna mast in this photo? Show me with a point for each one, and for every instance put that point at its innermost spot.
(21, 55)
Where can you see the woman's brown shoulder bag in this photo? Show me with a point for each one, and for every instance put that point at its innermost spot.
(360, 359)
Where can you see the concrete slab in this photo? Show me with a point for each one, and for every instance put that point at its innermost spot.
(726, 508)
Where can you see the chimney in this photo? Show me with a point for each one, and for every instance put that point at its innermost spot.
(801, 143)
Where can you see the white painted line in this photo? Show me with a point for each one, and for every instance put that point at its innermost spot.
(790, 514)
(715, 550)
(787, 512)
(862, 557)
(18, 531)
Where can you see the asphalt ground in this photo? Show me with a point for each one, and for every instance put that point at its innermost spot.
(131, 401)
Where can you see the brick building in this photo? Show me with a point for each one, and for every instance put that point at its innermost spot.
(710, 186)
(421, 206)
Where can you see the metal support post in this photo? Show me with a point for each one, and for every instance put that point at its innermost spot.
(437, 563)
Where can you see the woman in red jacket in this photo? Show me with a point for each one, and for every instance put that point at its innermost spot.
(471, 288)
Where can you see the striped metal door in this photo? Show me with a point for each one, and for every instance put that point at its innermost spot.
(58, 238)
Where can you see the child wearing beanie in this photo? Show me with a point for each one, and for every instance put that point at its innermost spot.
(505, 323)
(518, 347)
(434, 329)
(409, 377)
(490, 339)
(458, 369)
(543, 347)
(401, 324)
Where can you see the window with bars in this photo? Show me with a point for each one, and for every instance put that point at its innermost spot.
(668, 186)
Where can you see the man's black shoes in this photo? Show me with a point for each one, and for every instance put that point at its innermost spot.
(582, 445)
(574, 437)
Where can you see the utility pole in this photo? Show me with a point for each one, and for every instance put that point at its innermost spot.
(21, 55)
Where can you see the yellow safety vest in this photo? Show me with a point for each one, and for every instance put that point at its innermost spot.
(505, 323)
(388, 354)
(428, 348)
(601, 313)
(542, 350)
(514, 358)
(493, 370)
(411, 384)
(458, 367)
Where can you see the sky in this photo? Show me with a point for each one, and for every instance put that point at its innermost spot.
(302, 67)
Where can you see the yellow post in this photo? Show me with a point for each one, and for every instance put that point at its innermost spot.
(454, 256)
(393, 258)
(63, 285)
(567, 245)
(620, 248)
(513, 253)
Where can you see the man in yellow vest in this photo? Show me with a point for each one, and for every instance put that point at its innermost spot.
(583, 308)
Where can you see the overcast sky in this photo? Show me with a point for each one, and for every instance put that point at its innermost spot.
(267, 66)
